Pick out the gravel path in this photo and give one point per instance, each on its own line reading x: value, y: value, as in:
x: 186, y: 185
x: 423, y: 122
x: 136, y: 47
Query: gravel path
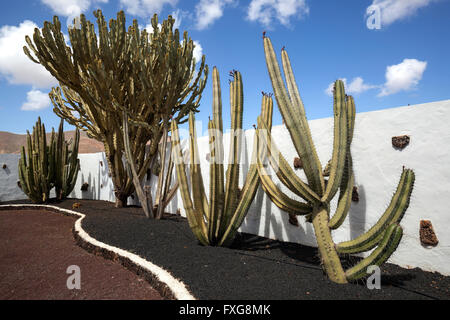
x: 37, y: 247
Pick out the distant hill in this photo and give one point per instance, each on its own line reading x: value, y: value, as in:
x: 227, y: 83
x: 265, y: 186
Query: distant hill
x: 12, y: 143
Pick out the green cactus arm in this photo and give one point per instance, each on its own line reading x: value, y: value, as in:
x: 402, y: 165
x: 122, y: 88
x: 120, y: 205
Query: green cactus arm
x: 340, y: 141
x: 217, y: 100
x: 236, y: 136
x: 393, y: 214
x: 64, y: 161
x: 351, y: 114
x: 295, y: 119
x: 267, y: 112
x: 51, y: 176
x: 344, y: 202
x: 72, y: 178
x: 381, y: 254
x: 23, y: 174
x: 35, y: 172
x: 279, y: 198
x: 74, y: 164
x: 216, y: 191
x: 348, y: 178
x: 282, y: 168
x: 215, y: 128
x: 329, y: 257
x: 199, y: 195
x: 195, y: 218
x: 29, y: 167
x: 247, y: 195
x: 251, y: 181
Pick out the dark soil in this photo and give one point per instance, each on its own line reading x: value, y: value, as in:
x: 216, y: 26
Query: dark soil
x: 254, y: 268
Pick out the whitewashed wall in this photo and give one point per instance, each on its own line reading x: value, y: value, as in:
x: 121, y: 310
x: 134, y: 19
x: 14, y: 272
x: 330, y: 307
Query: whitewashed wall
x: 377, y: 167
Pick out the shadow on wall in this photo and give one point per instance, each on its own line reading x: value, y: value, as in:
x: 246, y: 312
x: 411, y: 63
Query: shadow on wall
x: 5, y: 169
x: 274, y: 226
x: 90, y: 193
x: 103, y: 176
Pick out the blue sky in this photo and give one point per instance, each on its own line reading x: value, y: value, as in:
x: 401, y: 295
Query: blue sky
x: 399, y: 59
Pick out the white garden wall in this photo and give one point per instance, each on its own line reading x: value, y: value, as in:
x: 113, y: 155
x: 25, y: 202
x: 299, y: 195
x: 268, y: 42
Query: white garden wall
x: 377, y: 167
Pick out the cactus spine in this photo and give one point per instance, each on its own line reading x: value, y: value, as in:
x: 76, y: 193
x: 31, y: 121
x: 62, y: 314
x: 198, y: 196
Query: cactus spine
x: 384, y: 236
x: 216, y: 222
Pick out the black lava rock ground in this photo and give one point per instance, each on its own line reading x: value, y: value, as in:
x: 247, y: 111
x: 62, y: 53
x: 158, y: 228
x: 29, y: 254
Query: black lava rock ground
x: 255, y: 268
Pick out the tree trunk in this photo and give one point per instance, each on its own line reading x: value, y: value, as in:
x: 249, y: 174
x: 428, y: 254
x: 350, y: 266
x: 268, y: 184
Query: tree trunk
x: 328, y: 254
x: 121, y: 200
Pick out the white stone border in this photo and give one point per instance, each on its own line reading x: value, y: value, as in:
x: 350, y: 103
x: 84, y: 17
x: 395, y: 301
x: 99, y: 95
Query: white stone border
x: 177, y: 287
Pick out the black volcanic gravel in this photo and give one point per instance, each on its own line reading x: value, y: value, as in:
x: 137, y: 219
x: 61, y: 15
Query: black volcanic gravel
x: 255, y: 268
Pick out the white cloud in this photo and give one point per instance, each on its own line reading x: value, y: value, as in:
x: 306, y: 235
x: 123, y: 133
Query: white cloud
x: 15, y: 66
x: 355, y: 87
x: 70, y: 8
x: 394, y: 10
x: 207, y: 11
x: 177, y: 15
x: 145, y: 8
x: 264, y: 11
x: 403, y: 76
x: 36, y: 100
x: 198, y: 51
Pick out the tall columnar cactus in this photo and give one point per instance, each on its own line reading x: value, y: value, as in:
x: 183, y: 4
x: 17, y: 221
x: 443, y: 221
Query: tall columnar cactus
x: 317, y: 194
x: 66, y: 162
x: 150, y: 77
x: 217, y: 221
x: 36, y: 166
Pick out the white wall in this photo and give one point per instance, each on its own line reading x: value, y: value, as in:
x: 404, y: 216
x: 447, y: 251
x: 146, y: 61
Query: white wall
x: 377, y: 167
x: 9, y: 177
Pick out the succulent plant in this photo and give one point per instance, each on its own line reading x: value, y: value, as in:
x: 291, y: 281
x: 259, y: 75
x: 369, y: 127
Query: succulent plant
x: 36, y: 165
x: 149, y: 76
x: 66, y: 161
x: 45, y: 166
x: 317, y: 194
x: 215, y: 222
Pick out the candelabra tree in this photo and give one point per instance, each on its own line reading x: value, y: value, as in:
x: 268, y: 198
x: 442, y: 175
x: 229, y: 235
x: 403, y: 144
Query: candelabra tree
x: 317, y: 194
x: 132, y: 76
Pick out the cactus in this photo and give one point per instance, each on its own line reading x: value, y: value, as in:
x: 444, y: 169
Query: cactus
x: 47, y: 166
x: 36, y: 166
x: 317, y: 194
x: 216, y: 223
x: 66, y: 162
x: 151, y: 76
